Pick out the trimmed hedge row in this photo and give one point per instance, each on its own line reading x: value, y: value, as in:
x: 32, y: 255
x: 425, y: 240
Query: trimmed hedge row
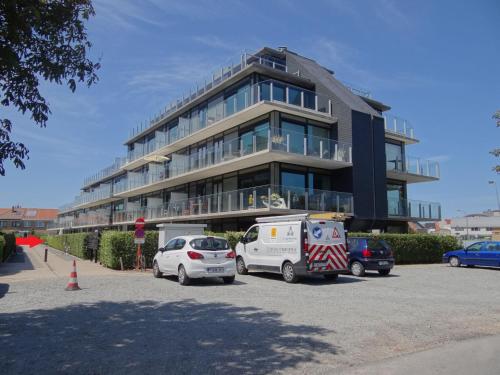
x: 75, y: 243
x: 7, y: 245
x: 115, y: 244
x: 416, y: 248
x: 231, y: 237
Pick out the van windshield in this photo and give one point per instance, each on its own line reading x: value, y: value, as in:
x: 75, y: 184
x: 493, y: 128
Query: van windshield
x: 209, y: 243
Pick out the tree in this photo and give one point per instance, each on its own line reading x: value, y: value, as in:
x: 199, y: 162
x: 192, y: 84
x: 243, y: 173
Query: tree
x: 496, y: 152
x: 39, y: 39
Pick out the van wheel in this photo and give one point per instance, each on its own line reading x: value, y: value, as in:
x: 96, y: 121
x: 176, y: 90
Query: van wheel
x: 454, y: 261
x: 183, y: 277
x: 357, y: 269
x: 240, y: 266
x: 156, y: 270
x: 289, y: 273
x: 331, y: 276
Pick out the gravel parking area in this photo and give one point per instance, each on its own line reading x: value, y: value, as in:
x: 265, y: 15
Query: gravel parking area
x: 258, y: 325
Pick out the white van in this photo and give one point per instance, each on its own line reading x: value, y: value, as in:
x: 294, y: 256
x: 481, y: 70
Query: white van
x: 294, y: 246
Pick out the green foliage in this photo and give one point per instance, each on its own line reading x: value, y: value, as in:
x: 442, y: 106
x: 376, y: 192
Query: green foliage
x: 40, y: 40
x: 416, y: 248
x: 9, y: 245
x: 116, y: 244
x: 2, y: 247
x: 75, y: 243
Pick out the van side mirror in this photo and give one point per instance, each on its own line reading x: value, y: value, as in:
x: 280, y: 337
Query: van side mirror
x: 243, y: 240
x: 161, y: 249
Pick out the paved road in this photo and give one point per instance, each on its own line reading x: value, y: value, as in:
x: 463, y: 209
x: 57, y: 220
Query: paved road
x: 131, y: 322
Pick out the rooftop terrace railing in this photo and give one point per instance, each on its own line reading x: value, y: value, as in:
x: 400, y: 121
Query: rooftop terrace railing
x: 399, y: 126
x: 266, y: 197
x: 106, y: 172
x: 357, y: 90
x: 415, y: 209
x: 218, y: 77
x: 269, y: 90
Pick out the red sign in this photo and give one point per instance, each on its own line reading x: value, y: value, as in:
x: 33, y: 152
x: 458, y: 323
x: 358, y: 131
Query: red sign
x: 139, y: 223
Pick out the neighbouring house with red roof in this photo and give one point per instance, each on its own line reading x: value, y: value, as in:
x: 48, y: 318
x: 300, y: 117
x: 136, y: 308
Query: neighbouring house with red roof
x: 18, y: 219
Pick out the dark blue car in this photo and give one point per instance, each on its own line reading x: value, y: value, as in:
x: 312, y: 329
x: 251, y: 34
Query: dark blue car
x: 485, y: 254
x: 369, y: 254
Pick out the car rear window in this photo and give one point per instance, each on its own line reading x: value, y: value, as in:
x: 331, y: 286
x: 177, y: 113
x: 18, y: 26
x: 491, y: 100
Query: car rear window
x: 209, y: 243
x: 376, y: 244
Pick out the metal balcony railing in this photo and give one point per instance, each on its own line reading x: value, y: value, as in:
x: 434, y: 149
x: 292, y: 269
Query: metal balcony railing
x: 414, y: 209
x: 266, y: 197
x: 398, y: 126
x: 417, y: 166
x: 279, y: 140
x: 106, y: 172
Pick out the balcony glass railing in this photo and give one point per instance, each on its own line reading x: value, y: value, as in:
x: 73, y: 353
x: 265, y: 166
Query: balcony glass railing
x: 270, y: 197
x: 103, y: 192
x: 101, y: 217
x: 217, y: 110
x: 399, y: 126
x: 417, y: 166
x: 414, y: 209
x: 279, y: 140
x: 106, y: 172
x: 232, y: 67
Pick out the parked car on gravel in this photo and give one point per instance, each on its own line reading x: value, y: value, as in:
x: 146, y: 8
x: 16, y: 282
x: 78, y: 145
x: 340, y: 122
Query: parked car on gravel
x: 369, y: 254
x: 486, y: 253
x: 194, y: 257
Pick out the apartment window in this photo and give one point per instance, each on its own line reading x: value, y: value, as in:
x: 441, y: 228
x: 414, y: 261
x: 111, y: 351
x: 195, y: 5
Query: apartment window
x: 318, y: 142
x: 394, y: 157
x: 294, y: 136
x: 40, y: 224
x: 294, y: 96
x: 279, y: 92
x: 27, y: 224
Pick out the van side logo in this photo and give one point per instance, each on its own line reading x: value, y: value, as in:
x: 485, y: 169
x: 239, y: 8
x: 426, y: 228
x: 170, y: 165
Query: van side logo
x: 290, y: 232
x: 317, y: 232
x: 335, y: 233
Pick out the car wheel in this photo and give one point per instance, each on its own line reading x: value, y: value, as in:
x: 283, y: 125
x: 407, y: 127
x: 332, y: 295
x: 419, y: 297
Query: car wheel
x: 384, y: 272
x: 332, y: 276
x: 156, y: 270
x: 240, y: 266
x: 183, y: 277
x: 289, y: 273
x: 357, y: 269
x: 228, y: 279
x: 454, y: 261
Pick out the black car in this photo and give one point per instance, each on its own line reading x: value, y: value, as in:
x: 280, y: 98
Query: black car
x: 369, y: 254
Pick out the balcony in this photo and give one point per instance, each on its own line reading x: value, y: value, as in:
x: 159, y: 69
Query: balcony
x: 260, y: 200
x: 218, y: 116
x: 106, y: 172
x: 399, y: 129
x: 218, y: 77
x: 259, y: 147
x: 101, y: 194
x: 100, y: 217
x: 413, y: 210
x: 413, y: 170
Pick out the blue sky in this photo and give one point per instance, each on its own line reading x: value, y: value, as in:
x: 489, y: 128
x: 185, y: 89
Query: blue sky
x: 436, y: 64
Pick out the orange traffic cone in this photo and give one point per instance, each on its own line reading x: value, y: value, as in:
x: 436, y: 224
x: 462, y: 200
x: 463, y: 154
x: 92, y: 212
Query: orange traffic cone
x: 73, y: 282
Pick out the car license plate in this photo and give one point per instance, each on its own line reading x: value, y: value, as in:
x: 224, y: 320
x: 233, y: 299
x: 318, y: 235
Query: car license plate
x: 215, y: 269
x: 383, y: 263
x: 320, y: 264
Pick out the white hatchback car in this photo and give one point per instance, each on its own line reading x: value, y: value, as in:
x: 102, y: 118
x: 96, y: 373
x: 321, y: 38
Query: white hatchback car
x: 193, y: 257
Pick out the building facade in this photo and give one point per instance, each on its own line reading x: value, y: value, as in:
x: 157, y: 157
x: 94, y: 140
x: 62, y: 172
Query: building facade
x: 21, y: 219
x: 484, y: 225
x: 274, y: 133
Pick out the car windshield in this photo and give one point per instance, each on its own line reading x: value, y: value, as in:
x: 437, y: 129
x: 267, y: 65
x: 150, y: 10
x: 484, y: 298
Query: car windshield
x: 209, y: 243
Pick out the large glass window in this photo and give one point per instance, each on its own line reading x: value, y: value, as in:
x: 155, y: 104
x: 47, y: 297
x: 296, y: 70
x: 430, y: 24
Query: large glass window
x: 394, y: 157
x: 395, y: 200
x: 294, y: 96
x: 294, y: 136
x: 279, y: 92
x: 215, y: 110
x: 293, y: 179
x: 318, y: 143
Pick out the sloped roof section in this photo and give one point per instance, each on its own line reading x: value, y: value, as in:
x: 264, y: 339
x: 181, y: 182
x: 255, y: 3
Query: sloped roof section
x: 324, y: 76
x: 22, y: 213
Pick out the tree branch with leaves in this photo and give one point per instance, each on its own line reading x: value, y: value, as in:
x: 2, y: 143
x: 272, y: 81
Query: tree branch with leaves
x: 39, y: 40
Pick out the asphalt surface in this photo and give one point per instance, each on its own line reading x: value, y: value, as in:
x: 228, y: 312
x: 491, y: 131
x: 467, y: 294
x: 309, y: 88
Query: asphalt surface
x: 127, y: 322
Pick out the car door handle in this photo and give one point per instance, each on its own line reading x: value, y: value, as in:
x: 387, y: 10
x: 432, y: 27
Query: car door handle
x: 256, y: 249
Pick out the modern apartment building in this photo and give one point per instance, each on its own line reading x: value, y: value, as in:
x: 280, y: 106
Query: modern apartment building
x: 274, y: 133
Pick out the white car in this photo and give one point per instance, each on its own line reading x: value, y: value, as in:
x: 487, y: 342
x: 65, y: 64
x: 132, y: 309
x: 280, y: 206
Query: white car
x: 194, y: 257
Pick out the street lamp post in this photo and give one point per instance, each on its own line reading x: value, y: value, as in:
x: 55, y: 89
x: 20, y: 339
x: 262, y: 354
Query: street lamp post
x: 466, y: 224
x: 496, y: 189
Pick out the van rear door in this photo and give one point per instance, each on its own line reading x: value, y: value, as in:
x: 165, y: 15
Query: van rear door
x: 326, y: 246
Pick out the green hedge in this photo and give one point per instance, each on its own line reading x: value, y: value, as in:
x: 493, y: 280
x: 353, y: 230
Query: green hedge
x: 9, y: 245
x: 74, y: 241
x: 231, y: 237
x: 416, y: 248
x: 116, y: 244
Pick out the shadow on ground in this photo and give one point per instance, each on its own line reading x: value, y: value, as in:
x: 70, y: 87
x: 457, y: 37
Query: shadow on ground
x: 137, y: 337
x: 17, y: 262
x: 310, y: 280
